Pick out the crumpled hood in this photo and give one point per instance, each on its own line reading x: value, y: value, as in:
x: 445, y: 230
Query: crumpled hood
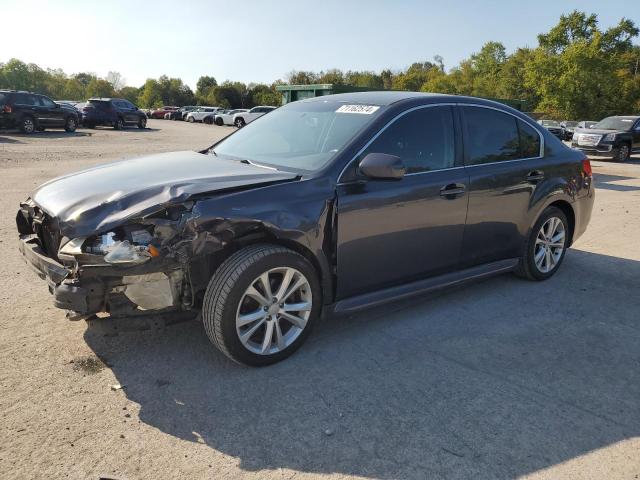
x: 102, y: 197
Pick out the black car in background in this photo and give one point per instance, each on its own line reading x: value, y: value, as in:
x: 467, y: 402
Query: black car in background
x: 585, y: 124
x: 181, y: 113
x: 612, y: 137
x: 30, y: 112
x: 553, y: 126
x: 339, y: 203
x: 568, y: 127
x: 113, y: 112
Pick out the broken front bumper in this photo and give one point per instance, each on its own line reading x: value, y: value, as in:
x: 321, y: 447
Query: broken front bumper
x: 105, y: 288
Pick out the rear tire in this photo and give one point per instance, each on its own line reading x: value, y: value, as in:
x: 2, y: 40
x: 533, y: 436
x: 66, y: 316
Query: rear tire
x: 191, y: 119
x: 208, y: 120
x: 27, y: 125
x: 219, y: 122
x: 70, y: 125
x: 248, y: 323
x: 119, y: 124
x: 546, y: 246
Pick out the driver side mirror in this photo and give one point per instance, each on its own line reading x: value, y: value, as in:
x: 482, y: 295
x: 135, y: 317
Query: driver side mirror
x: 382, y: 166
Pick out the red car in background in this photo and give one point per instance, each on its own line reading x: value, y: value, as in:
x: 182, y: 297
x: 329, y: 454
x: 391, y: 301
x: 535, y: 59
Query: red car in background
x: 159, y: 112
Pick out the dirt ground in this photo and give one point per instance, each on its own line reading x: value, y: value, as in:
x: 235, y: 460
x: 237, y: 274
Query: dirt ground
x: 500, y: 379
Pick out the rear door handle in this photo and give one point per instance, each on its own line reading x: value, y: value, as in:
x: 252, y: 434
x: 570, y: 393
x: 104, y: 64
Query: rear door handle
x: 535, y: 176
x: 452, y: 190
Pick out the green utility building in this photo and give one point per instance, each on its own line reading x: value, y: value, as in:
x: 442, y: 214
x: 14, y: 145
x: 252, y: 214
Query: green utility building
x: 291, y: 93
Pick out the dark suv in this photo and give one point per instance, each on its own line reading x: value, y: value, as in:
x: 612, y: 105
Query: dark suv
x: 114, y: 112
x: 612, y: 137
x: 340, y: 202
x: 29, y: 112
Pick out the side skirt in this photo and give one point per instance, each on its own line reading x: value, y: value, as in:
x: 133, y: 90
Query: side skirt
x: 400, y: 292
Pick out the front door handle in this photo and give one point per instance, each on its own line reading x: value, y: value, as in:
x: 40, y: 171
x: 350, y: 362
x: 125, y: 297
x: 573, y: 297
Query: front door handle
x: 453, y: 190
x: 535, y: 176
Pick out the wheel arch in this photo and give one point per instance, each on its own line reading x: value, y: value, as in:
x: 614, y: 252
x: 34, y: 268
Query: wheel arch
x: 318, y: 261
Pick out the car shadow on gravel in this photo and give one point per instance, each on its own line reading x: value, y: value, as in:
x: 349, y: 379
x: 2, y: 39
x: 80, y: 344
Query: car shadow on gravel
x: 49, y: 134
x: 494, y: 380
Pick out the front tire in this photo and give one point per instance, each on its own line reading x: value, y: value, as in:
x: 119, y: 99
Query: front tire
x: 191, y: 119
x: 239, y: 122
x: 142, y: 123
x: 624, y: 152
x: 219, y: 122
x: 208, y: 120
x: 70, y: 125
x: 261, y: 304
x: 546, y: 246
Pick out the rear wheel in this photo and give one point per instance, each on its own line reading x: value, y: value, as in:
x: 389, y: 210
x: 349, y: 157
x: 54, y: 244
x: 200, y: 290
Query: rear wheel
x: 261, y: 304
x: 208, y: 120
x: 623, y: 153
x: 27, y: 125
x: 546, y: 246
x: 191, y: 119
x: 119, y: 124
x: 219, y: 122
x: 70, y: 125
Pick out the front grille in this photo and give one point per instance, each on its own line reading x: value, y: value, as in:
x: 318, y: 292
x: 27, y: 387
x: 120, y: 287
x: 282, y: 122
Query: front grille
x: 49, y: 238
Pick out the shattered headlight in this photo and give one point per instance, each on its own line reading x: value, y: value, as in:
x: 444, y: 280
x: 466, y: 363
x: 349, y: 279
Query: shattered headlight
x: 129, y: 245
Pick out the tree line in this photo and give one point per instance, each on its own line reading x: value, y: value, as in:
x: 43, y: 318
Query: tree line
x: 576, y: 71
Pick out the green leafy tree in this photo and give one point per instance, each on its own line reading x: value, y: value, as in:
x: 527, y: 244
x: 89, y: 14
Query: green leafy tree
x: 99, y: 88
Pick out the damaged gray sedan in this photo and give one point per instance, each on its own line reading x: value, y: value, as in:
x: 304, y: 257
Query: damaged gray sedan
x: 345, y: 202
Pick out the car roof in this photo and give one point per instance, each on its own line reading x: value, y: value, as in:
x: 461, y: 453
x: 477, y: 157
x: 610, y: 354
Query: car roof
x: 381, y: 98
x: 625, y: 117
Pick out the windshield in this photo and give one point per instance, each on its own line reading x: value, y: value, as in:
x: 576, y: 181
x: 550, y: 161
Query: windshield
x: 301, y: 136
x: 550, y: 123
x: 616, y: 123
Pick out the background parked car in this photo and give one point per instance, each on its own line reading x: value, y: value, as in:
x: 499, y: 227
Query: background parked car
x: 612, y: 137
x: 181, y: 113
x: 160, y: 112
x: 224, y: 117
x: 586, y: 124
x: 553, y: 126
x: 115, y: 112
x: 241, y: 119
x: 29, y: 112
x: 568, y: 127
x: 201, y: 112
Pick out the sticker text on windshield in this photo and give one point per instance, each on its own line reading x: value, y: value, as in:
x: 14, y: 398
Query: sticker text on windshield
x: 364, y: 109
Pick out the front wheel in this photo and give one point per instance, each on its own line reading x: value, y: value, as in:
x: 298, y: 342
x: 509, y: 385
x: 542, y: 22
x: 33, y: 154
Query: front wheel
x: 546, y: 246
x: 142, y: 123
x: 261, y: 304
x: 624, y: 152
x: 219, y: 122
x: 70, y: 125
x: 208, y: 120
x: 191, y: 119
x: 239, y: 122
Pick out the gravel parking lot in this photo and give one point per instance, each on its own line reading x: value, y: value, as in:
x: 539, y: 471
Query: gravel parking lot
x: 501, y: 379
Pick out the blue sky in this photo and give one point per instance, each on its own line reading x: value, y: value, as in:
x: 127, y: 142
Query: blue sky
x: 260, y: 41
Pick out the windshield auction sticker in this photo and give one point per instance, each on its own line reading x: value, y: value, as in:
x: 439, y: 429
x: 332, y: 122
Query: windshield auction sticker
x: 363, y: 109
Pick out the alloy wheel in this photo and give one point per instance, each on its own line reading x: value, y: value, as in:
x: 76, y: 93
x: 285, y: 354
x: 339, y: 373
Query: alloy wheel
x: 274, y: 310
x: 550, y: 244
x: 28, y: 125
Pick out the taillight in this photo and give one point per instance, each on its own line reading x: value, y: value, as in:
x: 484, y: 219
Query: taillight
x: 6, y: 108
x: 586, y: 168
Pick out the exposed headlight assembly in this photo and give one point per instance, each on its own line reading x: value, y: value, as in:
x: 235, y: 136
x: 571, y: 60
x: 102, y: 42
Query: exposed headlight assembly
x: 126, y: 246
